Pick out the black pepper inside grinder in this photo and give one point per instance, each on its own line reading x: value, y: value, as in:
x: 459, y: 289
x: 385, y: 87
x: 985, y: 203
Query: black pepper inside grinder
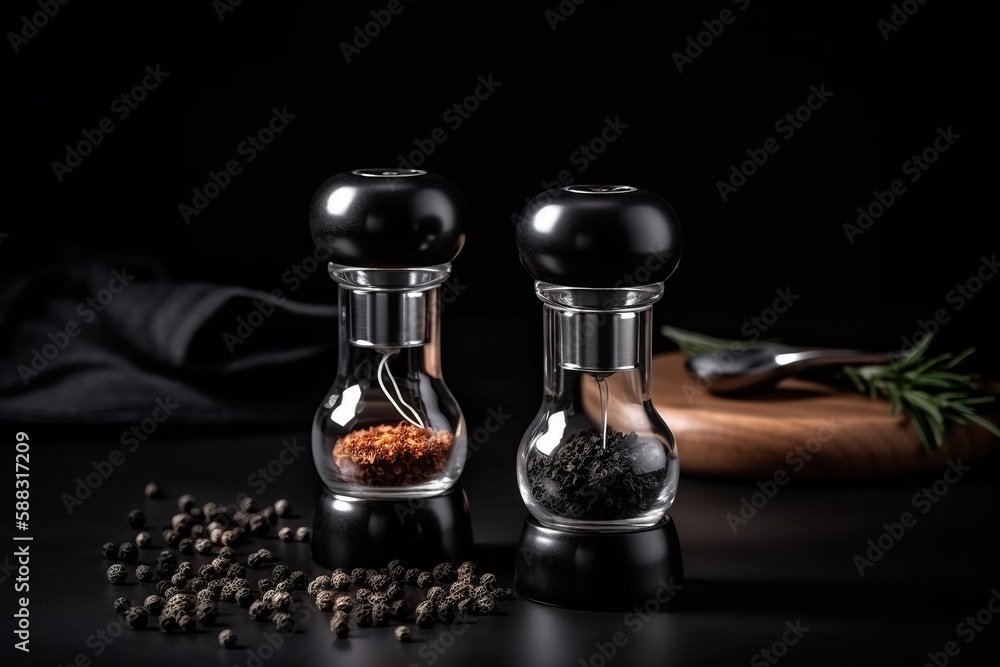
x: 597, y: 468
x: 389, y: 439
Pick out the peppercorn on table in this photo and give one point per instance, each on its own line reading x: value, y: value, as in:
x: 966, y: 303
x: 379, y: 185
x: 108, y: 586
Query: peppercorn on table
x: 887, y: 573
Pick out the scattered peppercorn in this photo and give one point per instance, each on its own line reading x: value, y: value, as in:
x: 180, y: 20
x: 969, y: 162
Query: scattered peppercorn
x: 485, y: 604
x: 341, y: 581
x: 280, y: 573
x: 185, y: 502
x: 325, y: 600
x: 286, y: 534
x: 282, y: 507
x: 231, y: 537
x: 117, y: 574
x: 137, y: 618
x: 248, y: 505
x: 203, y: 546
x: 466, y: 570
x: 303, y: 534
x: 109, y: 550
x: 152, y: 490
x: 400, y: 609
x: 281, y: 601
x: 402, y: 634
x: 283, y: 622
x: 143, y: 539
x: 171, y: 537
x: 136, y: 519
x: 259, y: 611
x: 299, y: 580
x: 363, y: 615
x: 143, y: 573
x: 425, y: 580
x: 444, y: 573
x: 244, y: 597
x: 207, y: 613
x: 320, y: 583
x: 122, y: 605
x: 127, y: 552
x: 338, y: 625
x: 264, y: 585
x: 269, y: 515
x: 344, y: 603
x: 227, y: 639
x: 153, y: 604
x: 236, y: 570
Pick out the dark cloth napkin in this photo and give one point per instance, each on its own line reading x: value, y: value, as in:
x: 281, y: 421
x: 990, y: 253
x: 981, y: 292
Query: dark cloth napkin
x: 110, y: 341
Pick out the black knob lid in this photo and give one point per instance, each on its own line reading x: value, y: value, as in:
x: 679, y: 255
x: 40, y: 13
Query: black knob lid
x: 388, y: 218
x: 599, y: 236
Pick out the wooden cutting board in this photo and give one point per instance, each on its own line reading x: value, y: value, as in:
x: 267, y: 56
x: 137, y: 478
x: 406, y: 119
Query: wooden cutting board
x: 807, y: 429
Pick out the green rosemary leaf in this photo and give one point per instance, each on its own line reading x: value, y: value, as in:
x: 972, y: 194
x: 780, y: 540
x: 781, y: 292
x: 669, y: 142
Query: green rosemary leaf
x: 693, y: 343
x: 985, y: 423
x: 928, y: 390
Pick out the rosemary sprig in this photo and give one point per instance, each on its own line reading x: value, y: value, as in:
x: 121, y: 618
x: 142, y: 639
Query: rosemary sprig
x: 930, y: 391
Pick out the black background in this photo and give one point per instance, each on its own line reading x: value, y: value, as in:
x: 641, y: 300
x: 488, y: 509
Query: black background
x: 783, y: 229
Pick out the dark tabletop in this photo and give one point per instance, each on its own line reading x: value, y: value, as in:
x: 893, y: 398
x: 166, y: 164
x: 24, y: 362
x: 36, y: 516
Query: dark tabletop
x: 791, y: 566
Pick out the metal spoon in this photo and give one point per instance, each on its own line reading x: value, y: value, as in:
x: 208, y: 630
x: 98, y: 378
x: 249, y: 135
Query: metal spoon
x: 761, y: 367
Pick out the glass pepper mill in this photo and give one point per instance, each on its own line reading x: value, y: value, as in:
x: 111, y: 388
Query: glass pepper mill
x: 389, y: 439
x: 597, y: 468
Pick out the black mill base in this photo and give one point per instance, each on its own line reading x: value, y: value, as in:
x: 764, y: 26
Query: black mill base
x: 599, y: 571
x: 352, y: 532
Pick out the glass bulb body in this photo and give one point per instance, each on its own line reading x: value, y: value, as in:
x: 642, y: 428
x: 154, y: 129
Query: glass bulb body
x: 389, y: 427
x: 597, y: 456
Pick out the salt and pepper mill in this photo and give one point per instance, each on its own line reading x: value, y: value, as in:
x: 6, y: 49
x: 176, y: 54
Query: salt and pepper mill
x: 389, y: 439
x: 597, y: 468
